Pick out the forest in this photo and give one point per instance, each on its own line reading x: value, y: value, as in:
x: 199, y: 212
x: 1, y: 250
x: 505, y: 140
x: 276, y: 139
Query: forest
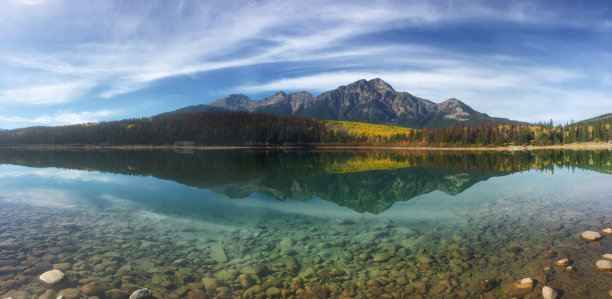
x: 253, y: 129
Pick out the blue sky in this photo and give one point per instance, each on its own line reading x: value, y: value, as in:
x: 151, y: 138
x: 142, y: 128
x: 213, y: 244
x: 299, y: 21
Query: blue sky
x: 65, y: 62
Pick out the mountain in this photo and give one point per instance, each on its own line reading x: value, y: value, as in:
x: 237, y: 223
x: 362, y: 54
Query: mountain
x: 373, y: 101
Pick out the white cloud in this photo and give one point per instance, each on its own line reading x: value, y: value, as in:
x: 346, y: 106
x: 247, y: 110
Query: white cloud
x: 44, y: 94
x: 60, y: 118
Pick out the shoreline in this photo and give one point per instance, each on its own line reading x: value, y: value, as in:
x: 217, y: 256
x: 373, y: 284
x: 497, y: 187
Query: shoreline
x: 570, y: 146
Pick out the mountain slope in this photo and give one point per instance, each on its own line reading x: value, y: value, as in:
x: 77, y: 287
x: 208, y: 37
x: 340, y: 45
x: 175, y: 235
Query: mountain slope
x: 373, y: 101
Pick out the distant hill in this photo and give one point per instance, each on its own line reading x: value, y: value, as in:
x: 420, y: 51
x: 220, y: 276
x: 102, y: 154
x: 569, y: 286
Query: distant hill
x: 603, y: 118
x: 373, y: 101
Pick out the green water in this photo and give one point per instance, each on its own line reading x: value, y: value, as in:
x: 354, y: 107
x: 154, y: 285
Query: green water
x: 303, y: 224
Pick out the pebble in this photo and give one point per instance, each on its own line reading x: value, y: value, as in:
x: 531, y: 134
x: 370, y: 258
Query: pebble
x: 245, y: 281
x: 520, y: 288
x: 217, y: 253
x: 273, y: 292
x: 607, y: 231
x: 549, y: 293
x: 591, y: 236
x: 94, y: 288
x: 604, y: 266
x: 210, y: 284
x: 607, y: 257
x: 380, y: 257
x: 48, y: 294
x: 115, y: 294
x: 52, y: 278
x: 485, y: 285
x: 562, y: 263
x: 70, y: 293
x: 142, y: 294
x: 62, y: 266
x: 196, y: 294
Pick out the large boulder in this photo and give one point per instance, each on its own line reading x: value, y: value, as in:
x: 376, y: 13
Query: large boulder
x: 52, y: 278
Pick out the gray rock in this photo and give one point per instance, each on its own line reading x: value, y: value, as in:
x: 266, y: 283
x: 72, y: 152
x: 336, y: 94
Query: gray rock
x: 52, y: 278
x: 141, y: 294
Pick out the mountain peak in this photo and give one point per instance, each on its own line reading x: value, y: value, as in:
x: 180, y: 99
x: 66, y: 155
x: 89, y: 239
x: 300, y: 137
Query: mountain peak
x: 376, y: 84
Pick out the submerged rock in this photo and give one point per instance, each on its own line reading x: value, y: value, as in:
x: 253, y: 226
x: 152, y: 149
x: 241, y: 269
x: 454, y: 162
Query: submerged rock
x: 70, y: 293
x: 520, y: 288
x: 142, y: 294
x: 607, y: 257
x: 217, y: 253
x: 196, y: 294
x: 116, y: 294
x: 62, y: 266
x: 48, y: 294
x: 485, y: 285
x: 210, y: 284
x: 245, y: 281
x: 52, y: 278
x: 604, y: 266
x: 94, y: 288
x: 549, y: 293
x: 380, y: 257
x: 562, y: 263
x: 591, y: 236
x: 607, y: 231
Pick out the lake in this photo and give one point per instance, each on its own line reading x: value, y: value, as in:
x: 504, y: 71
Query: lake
x: 303, y: 224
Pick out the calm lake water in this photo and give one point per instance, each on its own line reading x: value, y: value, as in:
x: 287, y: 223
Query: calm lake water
x: 303, y: 224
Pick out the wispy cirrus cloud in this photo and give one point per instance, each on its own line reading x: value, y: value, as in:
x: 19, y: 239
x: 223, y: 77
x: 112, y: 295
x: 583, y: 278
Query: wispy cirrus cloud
x: 136, y: 44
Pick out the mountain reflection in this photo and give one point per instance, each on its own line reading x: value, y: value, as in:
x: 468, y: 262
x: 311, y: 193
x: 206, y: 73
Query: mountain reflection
x: 365, y: 181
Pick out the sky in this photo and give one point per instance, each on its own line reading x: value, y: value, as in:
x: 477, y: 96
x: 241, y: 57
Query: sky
x: 65, y: 62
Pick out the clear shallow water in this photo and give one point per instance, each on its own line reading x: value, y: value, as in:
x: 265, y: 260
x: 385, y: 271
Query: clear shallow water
x: 325, y: 224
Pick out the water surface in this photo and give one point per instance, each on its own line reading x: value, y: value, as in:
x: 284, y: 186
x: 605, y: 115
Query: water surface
x: 314, y: 223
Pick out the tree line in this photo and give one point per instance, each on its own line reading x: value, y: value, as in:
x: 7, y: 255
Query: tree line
x: 253, y: 129
x: 206, y: 128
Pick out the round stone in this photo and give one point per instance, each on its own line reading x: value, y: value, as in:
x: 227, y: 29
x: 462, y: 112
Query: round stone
x: 549, y: 293
x: 380, y: 257
x: 115, y: 294
x: 607, y: 257
x: 520, y: 288
x: 607, y: 231
x: 52, y: 277
x: 526, y: 283
x: 142, y: 294
x: 591, y: 236
x: 604, y: 266
x: 94, y: 288
x: 562, y: 263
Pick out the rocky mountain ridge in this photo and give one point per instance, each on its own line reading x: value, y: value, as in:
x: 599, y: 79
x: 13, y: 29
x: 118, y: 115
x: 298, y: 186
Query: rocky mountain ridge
x: 373, y: 101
